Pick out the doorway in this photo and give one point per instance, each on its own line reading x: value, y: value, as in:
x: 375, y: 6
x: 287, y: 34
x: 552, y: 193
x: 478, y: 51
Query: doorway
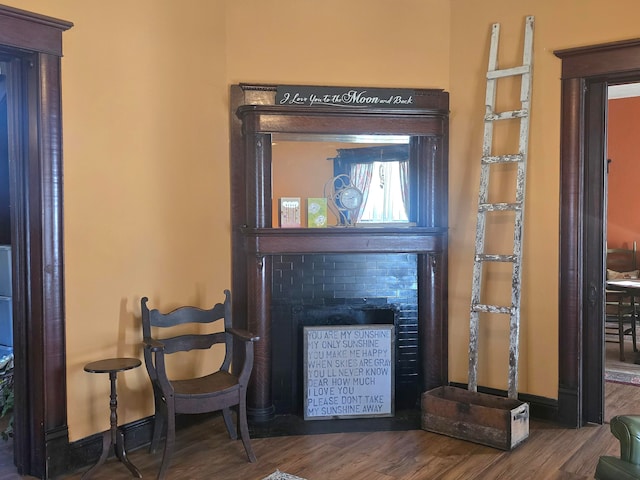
x: 622, y: 230
x: 30, y: 50
x: 586, y: 74
x: 6, y: 310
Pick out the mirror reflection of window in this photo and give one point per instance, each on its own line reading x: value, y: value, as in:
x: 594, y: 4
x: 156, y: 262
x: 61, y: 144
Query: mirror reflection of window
x: 303, y: 163
x: 381, y: 173
x: 385, y: 191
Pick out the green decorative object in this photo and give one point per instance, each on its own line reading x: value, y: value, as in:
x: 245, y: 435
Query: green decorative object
x: 316, y: 212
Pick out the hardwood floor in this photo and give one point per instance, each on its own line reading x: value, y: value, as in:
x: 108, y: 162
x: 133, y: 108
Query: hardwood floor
x: 204, y: 452
x: 612, y: 358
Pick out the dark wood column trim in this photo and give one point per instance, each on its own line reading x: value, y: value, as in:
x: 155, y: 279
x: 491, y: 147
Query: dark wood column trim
x: 52, y: 260
x: 582, y: 131
x: 431, y: 309
x: 33, y: 45
x: 570, y: 298
x: 260, y: 405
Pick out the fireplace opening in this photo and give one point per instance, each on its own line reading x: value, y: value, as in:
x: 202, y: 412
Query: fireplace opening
x: 288, y: 373
x: 341, y: 289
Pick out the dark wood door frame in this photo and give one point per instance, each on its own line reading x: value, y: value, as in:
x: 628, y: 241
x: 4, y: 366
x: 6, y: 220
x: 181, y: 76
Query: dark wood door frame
x: 586, y: 73
x: 31, y: 47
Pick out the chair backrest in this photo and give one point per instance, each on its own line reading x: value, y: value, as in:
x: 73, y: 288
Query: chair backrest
x: 622, y: 259
x: 185, y: 315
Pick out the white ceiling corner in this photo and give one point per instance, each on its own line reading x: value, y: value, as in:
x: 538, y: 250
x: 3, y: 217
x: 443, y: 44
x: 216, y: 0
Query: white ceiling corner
x: 623, y: 91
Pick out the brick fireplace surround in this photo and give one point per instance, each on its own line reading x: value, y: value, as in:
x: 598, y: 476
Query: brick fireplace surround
x: 341, y: 289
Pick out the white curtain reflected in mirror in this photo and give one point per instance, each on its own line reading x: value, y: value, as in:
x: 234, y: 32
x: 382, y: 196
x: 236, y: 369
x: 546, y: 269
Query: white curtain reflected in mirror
x: 382, y: 174
x: 385, y: 191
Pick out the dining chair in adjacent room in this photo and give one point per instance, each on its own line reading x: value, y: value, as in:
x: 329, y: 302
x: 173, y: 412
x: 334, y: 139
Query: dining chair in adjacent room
x: 620, y: 307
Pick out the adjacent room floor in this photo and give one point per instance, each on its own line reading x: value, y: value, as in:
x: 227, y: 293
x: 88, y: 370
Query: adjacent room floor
x: 616, y: 370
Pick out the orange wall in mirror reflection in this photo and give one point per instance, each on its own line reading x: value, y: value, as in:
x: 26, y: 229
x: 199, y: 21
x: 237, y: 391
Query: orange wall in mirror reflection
x: 300, y: 169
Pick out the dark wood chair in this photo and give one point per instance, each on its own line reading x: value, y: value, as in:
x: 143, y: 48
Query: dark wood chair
x: 220, y: 390
x: 620, y: 307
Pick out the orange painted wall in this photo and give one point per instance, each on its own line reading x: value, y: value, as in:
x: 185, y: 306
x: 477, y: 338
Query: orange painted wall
x: 146, y: 154
x: 558, y: 25
x: 146, y: 182
x: 623, y: 146
x: 146, y: 147
x: 301, y: 169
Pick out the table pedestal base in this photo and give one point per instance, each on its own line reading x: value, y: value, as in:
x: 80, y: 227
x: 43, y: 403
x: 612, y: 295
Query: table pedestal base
x: 114, y: 437
x: 119, y: 452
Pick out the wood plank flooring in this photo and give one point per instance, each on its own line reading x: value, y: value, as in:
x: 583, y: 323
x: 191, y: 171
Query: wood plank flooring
x: 612, y: 358
x: 204, y: 452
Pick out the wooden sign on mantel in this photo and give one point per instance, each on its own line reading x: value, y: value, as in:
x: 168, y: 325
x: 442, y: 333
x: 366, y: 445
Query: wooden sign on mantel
x: 348, y: 371
x: 310, y: 96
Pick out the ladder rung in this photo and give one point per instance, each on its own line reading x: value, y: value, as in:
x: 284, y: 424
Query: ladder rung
x: 487, y: 257
x: 499, y: 207
x: 491, y: 309
x: 517, y: 157
x: 508, y: 72
x: 492, y: 117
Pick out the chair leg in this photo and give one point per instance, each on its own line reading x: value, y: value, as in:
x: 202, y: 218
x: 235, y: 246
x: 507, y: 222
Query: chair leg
x: 158, y: 426
x: 621, y: 333
x: 228, y: 421
x: 633, y: 325
x: 244, y: 429
x: 159, y: 423
x: 169, y: 443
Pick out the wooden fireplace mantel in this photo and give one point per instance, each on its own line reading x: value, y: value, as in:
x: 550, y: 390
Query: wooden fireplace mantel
x: 279, y: 241
x: 254, y: 119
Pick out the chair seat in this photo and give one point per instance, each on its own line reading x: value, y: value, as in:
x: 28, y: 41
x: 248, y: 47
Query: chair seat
x: 218, y: 383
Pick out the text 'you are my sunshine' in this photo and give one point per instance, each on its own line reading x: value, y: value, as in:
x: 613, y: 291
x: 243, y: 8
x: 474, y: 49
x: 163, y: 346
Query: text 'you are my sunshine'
x: 348, y: 372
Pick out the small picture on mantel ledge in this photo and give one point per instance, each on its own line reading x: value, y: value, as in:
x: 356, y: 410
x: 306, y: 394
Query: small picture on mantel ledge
x: 316, y: 212
x: 290, y: 212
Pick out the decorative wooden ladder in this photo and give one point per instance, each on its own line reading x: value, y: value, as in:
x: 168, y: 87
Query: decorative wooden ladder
x: 485, y: 208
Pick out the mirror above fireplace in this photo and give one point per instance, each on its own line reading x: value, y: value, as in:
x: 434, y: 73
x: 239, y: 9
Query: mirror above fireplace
x: 415, y: 131
x: 378, y: 165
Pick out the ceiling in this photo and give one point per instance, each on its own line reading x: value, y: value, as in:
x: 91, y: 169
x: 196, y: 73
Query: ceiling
x: 624, y: 91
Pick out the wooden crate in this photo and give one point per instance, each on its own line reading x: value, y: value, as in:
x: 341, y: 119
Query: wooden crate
x: 477, y: 417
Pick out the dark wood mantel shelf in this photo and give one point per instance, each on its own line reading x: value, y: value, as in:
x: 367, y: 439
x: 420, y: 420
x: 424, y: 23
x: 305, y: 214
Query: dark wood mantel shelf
x: 275, y: 241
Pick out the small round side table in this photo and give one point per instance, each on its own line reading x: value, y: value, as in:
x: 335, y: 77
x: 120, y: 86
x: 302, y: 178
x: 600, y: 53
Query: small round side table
x: 114, y: 437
